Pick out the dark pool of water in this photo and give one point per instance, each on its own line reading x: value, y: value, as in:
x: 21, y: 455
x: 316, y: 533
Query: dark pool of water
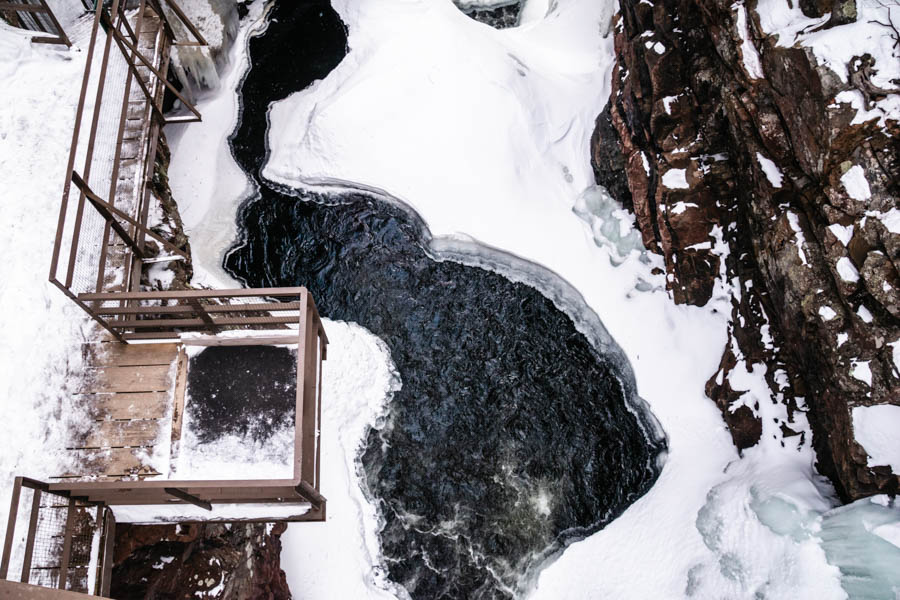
x: 511, y: 435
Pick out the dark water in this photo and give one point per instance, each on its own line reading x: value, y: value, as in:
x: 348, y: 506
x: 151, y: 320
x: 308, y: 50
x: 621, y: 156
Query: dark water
x: 511, y: 435
x: 500, y: 17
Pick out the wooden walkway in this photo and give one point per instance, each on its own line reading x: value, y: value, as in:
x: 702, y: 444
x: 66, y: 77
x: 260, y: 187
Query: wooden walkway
x: 130, y: 391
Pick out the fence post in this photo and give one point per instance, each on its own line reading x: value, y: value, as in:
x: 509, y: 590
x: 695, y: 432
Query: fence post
x: 10, y: 527
x: 201, y: 312
x: 67, y: 545
x: 32, y: 531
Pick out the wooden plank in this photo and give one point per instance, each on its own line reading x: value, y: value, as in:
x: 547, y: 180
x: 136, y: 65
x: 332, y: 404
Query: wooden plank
x: 13, y: 590
x: 134, y: 405
x: 153, y: 378
x: 178, y: 409
x: 111, y: 462
x: 125, y: 355
x: 120, y: 434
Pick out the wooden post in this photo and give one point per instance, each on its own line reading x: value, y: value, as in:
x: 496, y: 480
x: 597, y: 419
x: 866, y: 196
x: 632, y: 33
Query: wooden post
x: 109, y: 539
x: 32, y: 530
x: 10, y: 527
x: 201, y: 312
x: 67, y: 545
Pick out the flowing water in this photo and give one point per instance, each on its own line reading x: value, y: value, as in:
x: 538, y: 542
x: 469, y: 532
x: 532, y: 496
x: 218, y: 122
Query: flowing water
x: 512, y: 435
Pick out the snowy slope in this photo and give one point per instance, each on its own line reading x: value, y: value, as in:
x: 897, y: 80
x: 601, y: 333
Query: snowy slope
x: 42, y: 329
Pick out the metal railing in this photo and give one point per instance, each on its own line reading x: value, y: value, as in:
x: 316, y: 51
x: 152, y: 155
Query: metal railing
x: 302, y: 490
x: 36, y: 16
x: 68, y: 543
x: 103, y: 228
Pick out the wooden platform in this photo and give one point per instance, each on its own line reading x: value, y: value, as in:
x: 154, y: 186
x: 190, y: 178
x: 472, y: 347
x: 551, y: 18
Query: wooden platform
x: 130, y: 391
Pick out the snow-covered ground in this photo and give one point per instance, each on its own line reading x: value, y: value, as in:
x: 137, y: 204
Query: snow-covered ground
x: 485, y: 133
x: 42, y: 329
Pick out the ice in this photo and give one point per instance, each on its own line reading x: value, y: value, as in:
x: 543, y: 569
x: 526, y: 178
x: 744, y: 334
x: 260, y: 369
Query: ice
x: 612, y: 226
x: 486, y: 134
x: 198, y: 68
x: 854, y: 181
x: 868, y: 562
x: 877, y: 429
x: 208, y: 204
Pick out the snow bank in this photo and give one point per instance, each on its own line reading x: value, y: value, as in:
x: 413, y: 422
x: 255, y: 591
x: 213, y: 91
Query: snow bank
x: 176, y: 512
x: 42, y: 329
x: 339, y: 558
x: 877, y: 429
x: 204, y: 177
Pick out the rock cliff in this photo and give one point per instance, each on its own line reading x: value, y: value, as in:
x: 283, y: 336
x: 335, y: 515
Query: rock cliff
x: 742, y: 166
x: 238, y: 560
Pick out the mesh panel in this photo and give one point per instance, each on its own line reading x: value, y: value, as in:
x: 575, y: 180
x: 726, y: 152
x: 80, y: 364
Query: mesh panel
x: 49, y: 540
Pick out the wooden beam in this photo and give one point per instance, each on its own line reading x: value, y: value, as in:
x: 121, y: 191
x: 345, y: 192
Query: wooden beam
x: 107, y: 210
x: 109, y: 533
x: 10, y: 527
x: 67, y: 545
x: 182, y: 495
x: 33, y: 8
x: 29, y: 542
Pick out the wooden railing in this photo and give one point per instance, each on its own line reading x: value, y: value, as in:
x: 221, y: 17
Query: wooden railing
x: 36, y: 16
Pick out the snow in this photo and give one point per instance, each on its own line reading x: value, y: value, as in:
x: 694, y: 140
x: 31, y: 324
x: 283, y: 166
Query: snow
x: 179, y: 512
x: 749, y: 54
x: 860, y: 370
x: 876, y: 429
x: 854, y: 181
x: 835, y: 47
x: 773, y: 173
x: 675, y: 179
x: 667, y: 102
x: 430, y: 108
x: 864, y: 313
x: 844, y: 233
x: 338, y: 558
x: 794, y: 222
x: 890, y: 219
x: 847, y: 270
x: 827, y: 313
x: 681, y: 206
x: 42, y: 329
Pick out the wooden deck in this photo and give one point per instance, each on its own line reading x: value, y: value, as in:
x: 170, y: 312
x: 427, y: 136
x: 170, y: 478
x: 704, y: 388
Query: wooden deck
x: 134, y: 393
